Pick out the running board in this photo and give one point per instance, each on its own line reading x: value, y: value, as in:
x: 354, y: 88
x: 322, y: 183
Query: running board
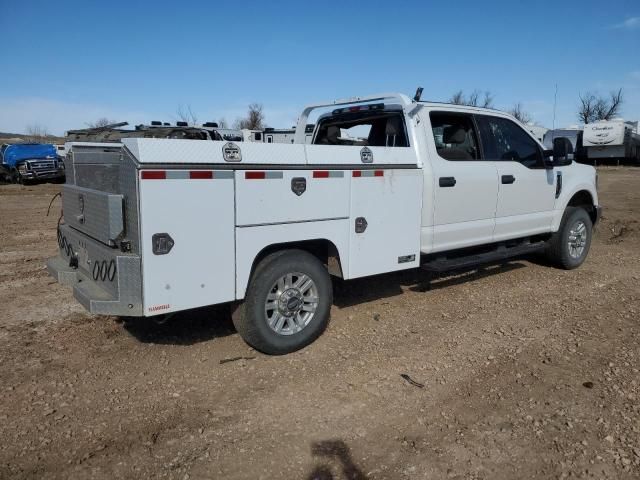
x: 502, y: 252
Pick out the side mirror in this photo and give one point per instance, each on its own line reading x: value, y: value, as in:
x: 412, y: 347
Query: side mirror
x: 562, y: 151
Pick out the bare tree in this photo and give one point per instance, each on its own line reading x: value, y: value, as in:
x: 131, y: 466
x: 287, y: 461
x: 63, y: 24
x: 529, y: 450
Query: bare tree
x: 487, y: 100
x: 185, y: 114
x: 254, y: 119
x: 520, y: 114
x: 101, y: 122
x: 222, y: 123
x: 473, y: 100
x: 458, y: 98
x: 594, y: 107
x: 37, y: 133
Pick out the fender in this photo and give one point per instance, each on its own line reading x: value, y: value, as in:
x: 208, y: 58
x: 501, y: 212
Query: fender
x: 575, y: 178
x: 251, y: 241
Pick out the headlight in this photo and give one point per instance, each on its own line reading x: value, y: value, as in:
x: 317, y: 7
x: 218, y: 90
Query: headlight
x: 22, y: 168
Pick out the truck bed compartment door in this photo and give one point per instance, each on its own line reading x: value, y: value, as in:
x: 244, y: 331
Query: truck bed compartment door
x: 266, y: 197
x: 385, y: 220
x: 187, y: 239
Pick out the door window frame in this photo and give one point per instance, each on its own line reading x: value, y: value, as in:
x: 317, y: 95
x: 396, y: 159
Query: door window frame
x: 475, y: 126
x: 540, y: 160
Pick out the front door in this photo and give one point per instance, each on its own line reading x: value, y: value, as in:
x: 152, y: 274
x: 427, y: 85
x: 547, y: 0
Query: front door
x: 526, y: 190
x: 465, y: 186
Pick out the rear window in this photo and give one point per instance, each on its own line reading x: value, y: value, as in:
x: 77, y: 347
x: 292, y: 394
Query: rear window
x: 378, y: 130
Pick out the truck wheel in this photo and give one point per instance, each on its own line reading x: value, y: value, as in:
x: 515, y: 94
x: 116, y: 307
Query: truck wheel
x: 287, y: 304
x: 569, y: 246
x: 16, y: 177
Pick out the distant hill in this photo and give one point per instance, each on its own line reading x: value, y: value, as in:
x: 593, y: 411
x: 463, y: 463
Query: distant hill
x: 6, y: 137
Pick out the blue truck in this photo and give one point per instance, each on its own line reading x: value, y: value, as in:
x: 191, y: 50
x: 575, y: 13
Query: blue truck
x: 30, y: 162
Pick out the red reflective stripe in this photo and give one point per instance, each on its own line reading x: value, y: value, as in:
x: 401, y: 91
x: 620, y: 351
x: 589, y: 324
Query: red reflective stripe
x: 200, y: 174
x: 321, y: 174
x: 254, y: 175
x: 378, y: 173
x: 153, y: 175
x: 357, y: 173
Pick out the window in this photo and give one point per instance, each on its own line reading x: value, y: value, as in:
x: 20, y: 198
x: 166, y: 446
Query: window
x: 504, y: 140
x: 375, y: 130
x: 257, y: 136
x: 455, y: 136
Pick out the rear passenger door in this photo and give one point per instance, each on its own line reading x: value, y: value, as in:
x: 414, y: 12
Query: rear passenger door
x: 526, y: 191
x: 465, y: 186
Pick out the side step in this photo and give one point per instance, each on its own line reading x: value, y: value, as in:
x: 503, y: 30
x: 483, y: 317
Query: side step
x: 501, y: 252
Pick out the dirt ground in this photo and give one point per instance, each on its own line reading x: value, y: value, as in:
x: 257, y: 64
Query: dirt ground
x: 526, y: 371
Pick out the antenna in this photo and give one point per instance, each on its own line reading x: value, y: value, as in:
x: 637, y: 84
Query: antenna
x: 416, y: 97
x: 555, y: 103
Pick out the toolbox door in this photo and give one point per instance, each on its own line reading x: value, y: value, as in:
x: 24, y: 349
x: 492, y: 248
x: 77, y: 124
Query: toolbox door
x: 187, y: 239
x: 386, y: 208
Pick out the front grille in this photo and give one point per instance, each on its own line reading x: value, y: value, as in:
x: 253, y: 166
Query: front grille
x: 43, y: 165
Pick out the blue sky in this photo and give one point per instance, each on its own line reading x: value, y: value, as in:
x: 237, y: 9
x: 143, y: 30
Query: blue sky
x: 65, y: 63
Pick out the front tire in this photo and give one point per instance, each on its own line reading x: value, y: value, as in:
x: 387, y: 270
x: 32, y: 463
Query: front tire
x: 16, y: 177
x: 569, y: 246
x: 287, y: 304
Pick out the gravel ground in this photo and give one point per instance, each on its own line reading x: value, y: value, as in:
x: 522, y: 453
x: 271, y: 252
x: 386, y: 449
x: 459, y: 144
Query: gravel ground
x: 512, y: 371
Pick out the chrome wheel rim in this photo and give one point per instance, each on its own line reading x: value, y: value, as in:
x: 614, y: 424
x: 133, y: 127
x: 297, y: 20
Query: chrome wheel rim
x: 291, y: 303
x: 577, y: 239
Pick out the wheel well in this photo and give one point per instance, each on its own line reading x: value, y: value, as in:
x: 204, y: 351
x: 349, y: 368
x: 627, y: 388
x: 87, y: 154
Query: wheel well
x: 321, y: 248
x: 583, y: 199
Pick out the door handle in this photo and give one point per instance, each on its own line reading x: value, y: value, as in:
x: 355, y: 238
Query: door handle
x: 447, y: 181
x: 507, y: 179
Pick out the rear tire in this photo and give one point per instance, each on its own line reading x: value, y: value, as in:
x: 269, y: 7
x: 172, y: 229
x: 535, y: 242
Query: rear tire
x: 287, y: 304
x: 569, y: 246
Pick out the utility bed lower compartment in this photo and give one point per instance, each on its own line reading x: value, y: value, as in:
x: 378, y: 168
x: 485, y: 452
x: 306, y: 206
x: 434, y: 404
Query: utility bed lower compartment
x: 104, y: 280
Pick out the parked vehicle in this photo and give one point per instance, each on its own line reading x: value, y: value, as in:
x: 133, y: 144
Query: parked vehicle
x: 615, y: 139
x: 115, y: 132
x: 27, y: 162
x: 156, y: 226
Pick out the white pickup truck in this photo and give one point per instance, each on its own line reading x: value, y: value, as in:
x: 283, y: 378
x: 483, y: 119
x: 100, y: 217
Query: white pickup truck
x: 154, y: 226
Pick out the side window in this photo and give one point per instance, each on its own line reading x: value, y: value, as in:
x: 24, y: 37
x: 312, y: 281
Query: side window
x: 504, y: 140
x: 455, y: 136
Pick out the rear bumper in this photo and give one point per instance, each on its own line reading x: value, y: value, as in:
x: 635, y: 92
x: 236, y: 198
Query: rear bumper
x: 108, y: 282
x: 95, y: 299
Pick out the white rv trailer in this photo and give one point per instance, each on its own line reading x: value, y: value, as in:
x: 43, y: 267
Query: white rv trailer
x: 279, y: 135
x: 614, y: 139
x: 154, y: 226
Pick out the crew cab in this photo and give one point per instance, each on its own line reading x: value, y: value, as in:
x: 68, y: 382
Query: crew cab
x: 155, y: 226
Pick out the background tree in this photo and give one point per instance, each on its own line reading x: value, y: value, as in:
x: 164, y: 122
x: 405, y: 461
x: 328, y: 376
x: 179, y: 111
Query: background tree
x: 101, y: 122
x: 254, y: 119
x: 520, y: 114
x: 474, y: 99
x: 185, y: 114
x: 222, y: 123
x: 37, y: 133
x: 594, y: 107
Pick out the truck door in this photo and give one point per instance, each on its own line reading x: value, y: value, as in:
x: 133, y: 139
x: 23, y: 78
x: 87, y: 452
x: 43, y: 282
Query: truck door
x: 465, y: 186
x: 526, y: 190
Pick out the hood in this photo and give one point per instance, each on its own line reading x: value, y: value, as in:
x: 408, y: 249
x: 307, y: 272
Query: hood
x: 14, y: 154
